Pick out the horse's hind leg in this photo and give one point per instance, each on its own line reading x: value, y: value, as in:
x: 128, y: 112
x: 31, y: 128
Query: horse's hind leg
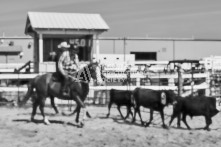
x: 53, y: 105
x: 42, y: 105
x: 34, y: 109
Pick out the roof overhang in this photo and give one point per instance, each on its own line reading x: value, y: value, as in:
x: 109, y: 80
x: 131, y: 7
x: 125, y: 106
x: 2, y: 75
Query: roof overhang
x: 64, y: 23
x: 68, y: 31
x: 10, y: 49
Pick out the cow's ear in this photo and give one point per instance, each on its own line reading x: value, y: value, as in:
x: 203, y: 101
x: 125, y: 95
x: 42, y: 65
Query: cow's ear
x: 163, y: 98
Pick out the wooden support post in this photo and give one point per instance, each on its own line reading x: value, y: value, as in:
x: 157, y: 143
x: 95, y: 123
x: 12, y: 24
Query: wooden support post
x: 97, y: 48
x: 40, y: 48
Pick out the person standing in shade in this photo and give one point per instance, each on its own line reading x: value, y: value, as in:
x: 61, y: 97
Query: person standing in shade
x: 127, y: 72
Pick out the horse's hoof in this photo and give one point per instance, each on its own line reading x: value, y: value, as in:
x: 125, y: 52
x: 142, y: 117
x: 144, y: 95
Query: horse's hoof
x: 165, y: 126
x: 32, y: 120
x: 57, y: 113
x: 170, y: 123
x: 146, y: 125
x: 133, y: 120
x: 88, y: 115
x: 46, y: 121
x: 206, y: 128
x: 80, y: 125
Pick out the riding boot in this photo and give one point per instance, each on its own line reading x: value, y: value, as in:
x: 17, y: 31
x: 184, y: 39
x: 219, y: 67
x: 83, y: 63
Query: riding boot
x: 64, y: 87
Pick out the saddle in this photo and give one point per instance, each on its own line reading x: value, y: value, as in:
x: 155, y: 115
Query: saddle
x: 56, y: 77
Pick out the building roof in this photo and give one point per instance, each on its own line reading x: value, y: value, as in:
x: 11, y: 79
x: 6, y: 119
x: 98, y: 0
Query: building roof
x: 10, y: 49
x: 72, y: 21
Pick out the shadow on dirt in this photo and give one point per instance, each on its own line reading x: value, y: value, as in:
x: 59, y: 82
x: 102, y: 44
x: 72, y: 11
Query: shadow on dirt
x: 38, y: 121
x: 119, y: 120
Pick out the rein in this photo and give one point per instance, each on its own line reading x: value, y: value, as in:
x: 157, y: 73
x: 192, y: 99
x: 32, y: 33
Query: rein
x: 81, y: 75
x: 77, y: 80
x: 84, y: 75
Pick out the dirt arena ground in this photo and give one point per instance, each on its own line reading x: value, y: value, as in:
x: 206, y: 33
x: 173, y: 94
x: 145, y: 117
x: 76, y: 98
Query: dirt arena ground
x: 16, y: 130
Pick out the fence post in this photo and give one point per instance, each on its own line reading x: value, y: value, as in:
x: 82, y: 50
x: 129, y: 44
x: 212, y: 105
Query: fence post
x: 180, y: 80
x: 138, y: 82
x: 192, y: 80
x: 208, y: 81
x: 171, y: 82
x: 18, y: 86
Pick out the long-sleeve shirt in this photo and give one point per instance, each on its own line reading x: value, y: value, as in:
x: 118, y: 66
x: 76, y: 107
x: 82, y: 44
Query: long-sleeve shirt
x: 67, y: 64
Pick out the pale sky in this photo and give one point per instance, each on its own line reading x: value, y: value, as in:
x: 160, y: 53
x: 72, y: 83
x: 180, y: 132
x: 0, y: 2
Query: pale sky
x: 126, y: 18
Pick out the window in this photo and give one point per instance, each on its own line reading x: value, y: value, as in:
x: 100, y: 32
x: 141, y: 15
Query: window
x: 85, y: 46
x: 145, y: 55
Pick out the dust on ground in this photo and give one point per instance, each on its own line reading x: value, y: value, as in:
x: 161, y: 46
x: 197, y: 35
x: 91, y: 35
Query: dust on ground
x: 16, y: 129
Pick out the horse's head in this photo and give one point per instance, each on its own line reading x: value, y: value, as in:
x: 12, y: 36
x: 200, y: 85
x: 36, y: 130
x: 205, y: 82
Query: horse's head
x: 95, y: 72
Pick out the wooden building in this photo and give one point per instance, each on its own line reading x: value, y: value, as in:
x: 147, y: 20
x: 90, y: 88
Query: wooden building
x: 50, y: 29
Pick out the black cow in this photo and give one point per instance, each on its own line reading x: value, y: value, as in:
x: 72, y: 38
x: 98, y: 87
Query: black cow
x: 194, y: 106
x: 121, y: 98
x: 154, y: 100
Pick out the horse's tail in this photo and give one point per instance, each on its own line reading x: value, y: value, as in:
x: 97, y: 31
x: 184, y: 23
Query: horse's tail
x: 29, y: 93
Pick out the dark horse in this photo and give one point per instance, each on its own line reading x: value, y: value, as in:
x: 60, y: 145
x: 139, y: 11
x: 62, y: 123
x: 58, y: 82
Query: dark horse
x: 47, y: 86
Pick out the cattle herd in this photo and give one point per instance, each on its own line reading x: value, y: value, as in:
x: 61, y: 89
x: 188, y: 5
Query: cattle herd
x: 157, y: 100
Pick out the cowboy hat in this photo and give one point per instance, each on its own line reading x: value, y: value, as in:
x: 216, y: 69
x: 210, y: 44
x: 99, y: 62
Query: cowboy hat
x: 64, y: 45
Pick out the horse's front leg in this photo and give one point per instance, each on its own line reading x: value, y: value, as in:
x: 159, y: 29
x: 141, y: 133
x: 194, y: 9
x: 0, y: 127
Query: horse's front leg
x: 80, y: 105
x: 87, y: 113
x: 78, y: 109
x: 81, y: 115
